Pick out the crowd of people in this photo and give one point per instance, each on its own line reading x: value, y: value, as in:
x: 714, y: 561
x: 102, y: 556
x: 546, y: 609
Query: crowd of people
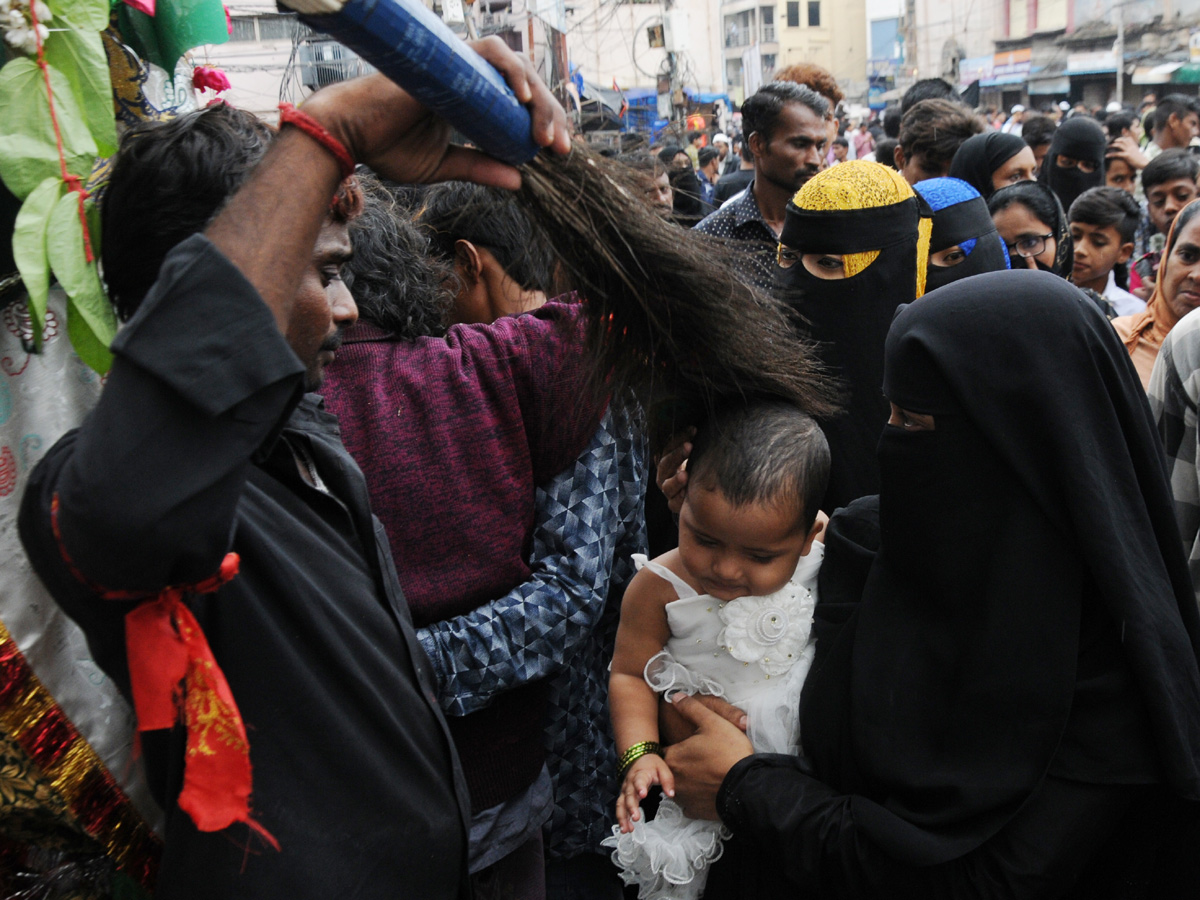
x: 412, y: 596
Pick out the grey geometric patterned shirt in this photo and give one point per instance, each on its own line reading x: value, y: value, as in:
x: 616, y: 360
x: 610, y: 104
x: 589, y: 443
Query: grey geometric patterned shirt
x: 561, y: 624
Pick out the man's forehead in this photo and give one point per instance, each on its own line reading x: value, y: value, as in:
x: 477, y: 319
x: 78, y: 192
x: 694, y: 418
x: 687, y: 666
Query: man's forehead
x: 798, y: 119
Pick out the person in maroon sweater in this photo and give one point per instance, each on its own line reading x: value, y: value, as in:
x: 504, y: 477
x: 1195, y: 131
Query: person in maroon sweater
x: 454, y: 434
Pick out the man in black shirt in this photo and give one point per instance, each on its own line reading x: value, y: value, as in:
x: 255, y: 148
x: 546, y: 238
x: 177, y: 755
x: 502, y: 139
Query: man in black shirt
x: 203, y: 460
x: 786, y: 133
x: 733, y: 183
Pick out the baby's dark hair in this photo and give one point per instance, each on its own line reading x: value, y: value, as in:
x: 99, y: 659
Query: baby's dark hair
x: 763, y: 452
x: 1105, y: 206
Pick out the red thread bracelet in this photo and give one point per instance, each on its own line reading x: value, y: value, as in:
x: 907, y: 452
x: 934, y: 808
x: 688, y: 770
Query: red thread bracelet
x: 289, y: 115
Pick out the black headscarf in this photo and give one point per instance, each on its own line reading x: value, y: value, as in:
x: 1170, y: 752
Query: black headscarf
x: 1043, y: 203
x: 960, y: 218
x: 1079, y: 138
x: 1029, y: 609
x: 853, y: 208
x: 980, y: 156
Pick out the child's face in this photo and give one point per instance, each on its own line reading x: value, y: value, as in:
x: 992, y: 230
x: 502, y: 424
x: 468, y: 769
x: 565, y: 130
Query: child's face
x: 1164, y: 201
x: 1097, y: 250
x: 1119, y: 175
x: 739, y: 551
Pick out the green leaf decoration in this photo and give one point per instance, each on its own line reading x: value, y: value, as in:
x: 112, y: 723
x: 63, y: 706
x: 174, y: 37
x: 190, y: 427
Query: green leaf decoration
x: 80, y: 55
x: 28, y: 154
x: 92, y: 349
x: 29, y: 249
x: 91, y: 322
x: 86, y: 15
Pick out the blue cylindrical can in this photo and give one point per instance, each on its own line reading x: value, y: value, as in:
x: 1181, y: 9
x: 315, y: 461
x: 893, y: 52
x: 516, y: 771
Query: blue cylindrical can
x: 405, y: 41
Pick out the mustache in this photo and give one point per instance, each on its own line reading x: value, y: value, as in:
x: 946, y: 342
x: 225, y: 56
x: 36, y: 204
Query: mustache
x: 332, y: 343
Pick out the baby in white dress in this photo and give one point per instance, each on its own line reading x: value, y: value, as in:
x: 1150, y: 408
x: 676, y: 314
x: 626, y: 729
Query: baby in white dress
x: 729, y: 613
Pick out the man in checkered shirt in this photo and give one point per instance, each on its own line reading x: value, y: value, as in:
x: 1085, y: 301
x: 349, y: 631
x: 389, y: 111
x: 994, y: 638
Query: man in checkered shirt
x: 1174, y: 395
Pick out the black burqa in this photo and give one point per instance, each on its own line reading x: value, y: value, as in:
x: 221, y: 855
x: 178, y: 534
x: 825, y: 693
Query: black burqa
x: 1038, y: 511
x: 960, y: 219
x: 1025, y: 629
x: 849, y: 318
x: 1080, y: 138
x: 981, y: 155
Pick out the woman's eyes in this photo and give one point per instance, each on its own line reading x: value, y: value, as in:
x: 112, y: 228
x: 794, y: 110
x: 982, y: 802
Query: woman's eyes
x: 786, y: 257
x: 832, y: 263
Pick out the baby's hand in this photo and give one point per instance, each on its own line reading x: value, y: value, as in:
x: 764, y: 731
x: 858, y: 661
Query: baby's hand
x: 646, y: 770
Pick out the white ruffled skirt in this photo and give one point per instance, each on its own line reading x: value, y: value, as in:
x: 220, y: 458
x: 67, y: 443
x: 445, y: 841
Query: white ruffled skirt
x: 669, y: 856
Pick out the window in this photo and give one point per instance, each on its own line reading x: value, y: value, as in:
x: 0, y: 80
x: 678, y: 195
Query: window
x: 739, y: 29
x: 264, y: 28
x: 243, y: 29
x: 814, y: 13
x: 276, y: 28
x: 766, y: 16
x: 793, y: 14
x: 733, y: 72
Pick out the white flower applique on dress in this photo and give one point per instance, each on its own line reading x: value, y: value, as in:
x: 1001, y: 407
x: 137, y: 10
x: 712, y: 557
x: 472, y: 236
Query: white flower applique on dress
x: 755, y: 653
x: 769, y: 631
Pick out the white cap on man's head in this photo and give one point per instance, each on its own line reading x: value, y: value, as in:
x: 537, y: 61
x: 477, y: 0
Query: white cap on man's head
x: 1064, y: 105
x: 721, y: 139
x: 1016, y: 109
x: 1112, y: 107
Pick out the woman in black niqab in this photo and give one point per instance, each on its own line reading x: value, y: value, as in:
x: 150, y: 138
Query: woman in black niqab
x: 980, y: 156
x: 1021, y: 670
x: 1078, y: 140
